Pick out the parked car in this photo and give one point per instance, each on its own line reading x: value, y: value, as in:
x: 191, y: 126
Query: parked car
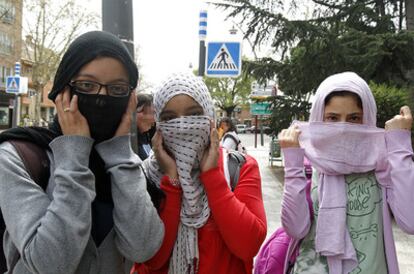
x: 251, y: 129
x: 266, y: 129
x: 241, y: 128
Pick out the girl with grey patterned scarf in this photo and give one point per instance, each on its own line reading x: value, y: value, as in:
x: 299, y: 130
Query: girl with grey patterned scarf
x: 209, y: 228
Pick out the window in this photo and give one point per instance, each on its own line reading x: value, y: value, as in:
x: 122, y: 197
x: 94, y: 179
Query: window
x: 7, y: 11
x: 4, y: 116
x: 4, y: 72
x: 6, y: 43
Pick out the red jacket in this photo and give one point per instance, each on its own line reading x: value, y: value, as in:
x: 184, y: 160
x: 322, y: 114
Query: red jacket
x: 234, y: 232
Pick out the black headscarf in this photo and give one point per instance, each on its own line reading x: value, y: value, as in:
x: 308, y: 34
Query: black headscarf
x: 85, y: 49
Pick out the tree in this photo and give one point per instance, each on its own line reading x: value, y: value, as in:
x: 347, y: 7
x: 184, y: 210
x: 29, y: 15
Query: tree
x: 365, y: 36
x: 6, y: 10
x: 50, y: 27
x: 228, y: 93
x: 286, y: 109
x: 389, y: 101
x: 357, y: 35
x: 409, y: 7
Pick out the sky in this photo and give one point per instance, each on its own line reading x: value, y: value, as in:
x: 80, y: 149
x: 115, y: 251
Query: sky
x: 166, y: 34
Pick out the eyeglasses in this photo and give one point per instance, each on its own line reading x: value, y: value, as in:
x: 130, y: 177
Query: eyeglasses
x: 91, y: 87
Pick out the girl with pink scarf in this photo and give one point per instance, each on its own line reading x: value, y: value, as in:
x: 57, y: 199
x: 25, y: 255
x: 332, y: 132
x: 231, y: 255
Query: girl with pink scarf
x: 363, y: 176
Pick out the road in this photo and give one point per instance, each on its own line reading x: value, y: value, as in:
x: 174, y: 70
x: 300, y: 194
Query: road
x: 272, y: 188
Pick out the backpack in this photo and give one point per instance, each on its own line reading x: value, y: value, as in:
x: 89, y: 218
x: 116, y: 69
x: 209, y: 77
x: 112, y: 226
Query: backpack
x: 240, y: 147
x: 234, y: 164
x: 36, y: 163
x: 272, y: 256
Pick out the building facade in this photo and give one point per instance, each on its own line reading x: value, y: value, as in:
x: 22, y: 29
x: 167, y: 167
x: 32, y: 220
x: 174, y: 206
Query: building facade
x: 10, y: 53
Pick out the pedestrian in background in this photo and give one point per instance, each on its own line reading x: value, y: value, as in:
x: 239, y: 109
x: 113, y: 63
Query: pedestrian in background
x: 230, y: 139
x: 145, y: 124
x: 95, y: 215
x: 363, y: 179
x: 210, y: 227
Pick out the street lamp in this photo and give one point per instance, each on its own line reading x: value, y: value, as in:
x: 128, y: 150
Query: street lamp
x: 233, y: 30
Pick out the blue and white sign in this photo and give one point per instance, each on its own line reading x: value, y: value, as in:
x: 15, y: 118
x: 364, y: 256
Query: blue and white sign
x: 13, y: 84
x: 223, y: 59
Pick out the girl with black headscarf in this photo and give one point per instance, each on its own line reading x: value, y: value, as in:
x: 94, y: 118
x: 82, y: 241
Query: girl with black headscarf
x: 96, y: 215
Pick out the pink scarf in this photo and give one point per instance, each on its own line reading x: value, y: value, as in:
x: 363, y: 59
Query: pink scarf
x: 335, y: 150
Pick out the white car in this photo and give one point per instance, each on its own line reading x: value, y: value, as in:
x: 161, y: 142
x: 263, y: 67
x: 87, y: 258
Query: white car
x: 241, y: 128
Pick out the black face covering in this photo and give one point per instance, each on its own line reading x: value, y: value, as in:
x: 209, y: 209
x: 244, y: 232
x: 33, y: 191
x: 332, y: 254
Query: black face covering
x: 103, y: 113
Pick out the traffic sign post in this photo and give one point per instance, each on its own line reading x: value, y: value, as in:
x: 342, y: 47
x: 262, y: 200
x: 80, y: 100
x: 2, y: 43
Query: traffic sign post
x: 202, y: 34
x: 13, y: 84
x: 16, y: 85
x: 256, y: 109
x: 223, y: 59
x: 260, y: 108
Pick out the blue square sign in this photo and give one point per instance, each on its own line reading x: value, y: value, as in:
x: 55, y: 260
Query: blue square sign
x: 223, y: 59
x: 13, y: 84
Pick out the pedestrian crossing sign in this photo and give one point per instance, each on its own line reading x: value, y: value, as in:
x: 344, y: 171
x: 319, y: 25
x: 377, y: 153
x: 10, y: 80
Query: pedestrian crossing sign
x: 223, y: 59
x: 13, y: 84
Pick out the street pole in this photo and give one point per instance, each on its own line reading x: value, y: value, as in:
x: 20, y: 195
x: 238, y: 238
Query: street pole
x: 261, y: 132
x: 255, y: 131
x: 202, y: 33
x: 117, y: 19
x: 16, y: 103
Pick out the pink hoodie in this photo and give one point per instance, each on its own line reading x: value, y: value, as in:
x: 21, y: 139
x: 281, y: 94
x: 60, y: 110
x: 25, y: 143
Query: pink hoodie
x: 397, y: 181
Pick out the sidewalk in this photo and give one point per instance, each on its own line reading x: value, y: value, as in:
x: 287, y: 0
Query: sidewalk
x: 272, y: 188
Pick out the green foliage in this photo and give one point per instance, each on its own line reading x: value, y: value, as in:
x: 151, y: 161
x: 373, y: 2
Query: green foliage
x: 228, y: 93
x: 363, y: 36
x: 286, y: 109
x: 342, y: 35
x: 389, y: 101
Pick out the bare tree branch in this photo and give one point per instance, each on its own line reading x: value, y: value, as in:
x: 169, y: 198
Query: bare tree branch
x: 56, y: 24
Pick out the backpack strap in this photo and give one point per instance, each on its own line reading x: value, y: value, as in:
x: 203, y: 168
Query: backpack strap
x: 231, y: 136
x: 35, y: 160
x: 235, y: 162
x: 37, y: 164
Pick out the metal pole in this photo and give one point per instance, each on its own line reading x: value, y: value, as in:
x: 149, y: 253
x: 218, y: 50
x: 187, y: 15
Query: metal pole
x: 16, y: 105
x: 255, y: 131
x: 261, y: 133
x: 202, y: 33
x: 117, y: 19
x: 15, y: 118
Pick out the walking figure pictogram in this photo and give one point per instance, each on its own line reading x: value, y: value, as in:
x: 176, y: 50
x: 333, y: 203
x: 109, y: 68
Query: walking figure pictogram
x: 223, y: 55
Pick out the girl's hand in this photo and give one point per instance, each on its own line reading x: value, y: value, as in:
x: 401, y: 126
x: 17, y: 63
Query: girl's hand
x: 125, y: 126
x: 289, y: 137
x: 166, y: 162
x: 211, y: 154
x: 402, y: 121
x: 71, y: 121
